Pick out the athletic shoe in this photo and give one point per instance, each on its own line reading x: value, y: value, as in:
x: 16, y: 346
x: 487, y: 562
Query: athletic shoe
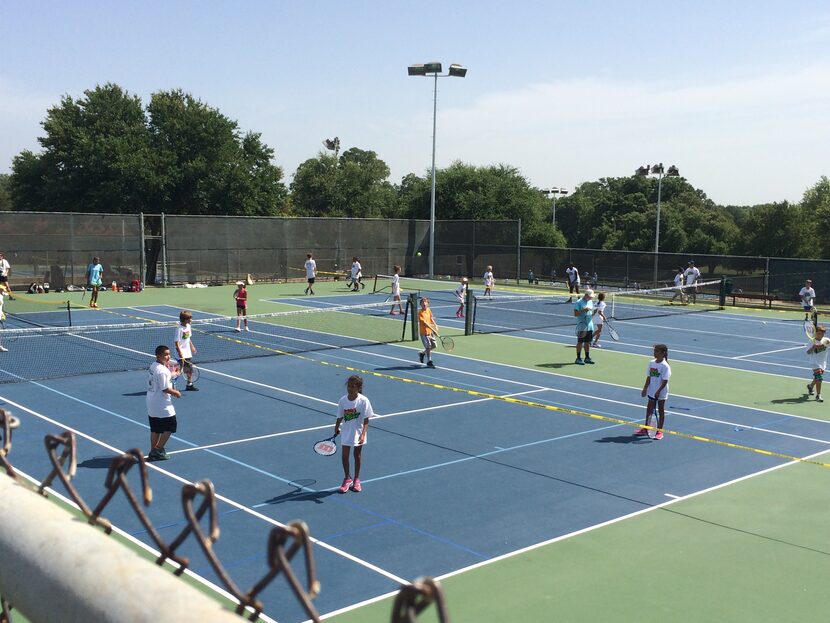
x: 819, y: 398
x: 595, y: 346
x: 461, y: 315
x: 810, y: 388
x: 347, y: 482
x: 659, y: 435
x: 238, y: 329
x: 247, y: 329
x: 641, y: 432
x: 191, y: 388
x: 162, y: 455
x: 153, y: 456
x: 3, y: 349
x: 589, y: 360
x: 430, y: 364
x: 356, y: 486
x: 421, y: 357
x: 579, y: 361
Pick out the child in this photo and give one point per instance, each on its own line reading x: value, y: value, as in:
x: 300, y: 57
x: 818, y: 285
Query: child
x: 656, y: 388
x: 489, y: 281
x: 3, y: 349
x: 240, y: 295
x: 817, y: 354
x: 426, y: 327
x: 678, y: 287
x: 807, y: 296
x: 185, y: 348
x: 396, y: 290
x: 599, y: 318
x: 357, y: 275
x: 460, y: 296
x: 160, y: 410
x: 310, y: 273
x: 353, y: 412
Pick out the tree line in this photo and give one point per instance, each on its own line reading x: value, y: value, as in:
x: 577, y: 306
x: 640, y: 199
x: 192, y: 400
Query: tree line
x: 108, y: 152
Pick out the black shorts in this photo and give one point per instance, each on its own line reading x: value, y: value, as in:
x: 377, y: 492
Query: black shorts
x: 4, y: 278
x: 311, y: 279
x: 587, y: 337
x: 241, y: 311
x: 163, y: 424
x: 573, y: 286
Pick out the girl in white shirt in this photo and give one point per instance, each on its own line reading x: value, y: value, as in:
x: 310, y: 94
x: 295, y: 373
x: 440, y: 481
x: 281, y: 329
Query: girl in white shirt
x: 353, y: 412
x: 656, y: 388
x: 396, y: 291
x: 489, y: 281
x: 461, y: 296
x: 599, y: 318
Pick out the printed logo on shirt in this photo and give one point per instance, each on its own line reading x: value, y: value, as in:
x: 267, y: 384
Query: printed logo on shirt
x: 350, y: 414
x: 820, y: 348
x: 654, y: 372
x: 185, y: 335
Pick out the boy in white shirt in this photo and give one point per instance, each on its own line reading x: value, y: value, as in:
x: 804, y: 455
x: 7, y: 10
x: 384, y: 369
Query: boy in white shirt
x: 160, y: 410
x: 808, y: 297
x: 817, y: 354
x: 185, y: 348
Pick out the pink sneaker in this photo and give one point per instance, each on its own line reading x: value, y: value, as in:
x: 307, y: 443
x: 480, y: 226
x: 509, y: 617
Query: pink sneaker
x: 659, y: 435
x: 640, y: 432
x: 356, y: 486
x: 347, y: 482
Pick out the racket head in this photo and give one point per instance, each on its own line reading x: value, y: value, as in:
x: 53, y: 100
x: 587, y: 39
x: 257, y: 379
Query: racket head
x: 612, y: 332
x: 175, y: 371
x: 810, y: 330
x: 447, y: 343
x: 187, y: 368
x: 652, y: 422
x: 326, y: 447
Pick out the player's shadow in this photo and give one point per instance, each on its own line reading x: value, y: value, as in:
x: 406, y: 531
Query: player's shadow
x: 791, y: 401
x: 413, y: 366
x: 623, y: 439
x: 301, y: 493
x: 555, y: 365
x: 98, y: 462
x: 144, y: 393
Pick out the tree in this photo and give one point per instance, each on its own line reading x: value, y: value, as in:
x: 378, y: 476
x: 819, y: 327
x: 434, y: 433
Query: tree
x: 5, y: 194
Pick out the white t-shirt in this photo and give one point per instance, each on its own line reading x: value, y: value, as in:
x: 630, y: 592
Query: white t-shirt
x: 356, y: 268
x: 310, y: 269
x: 807, y: 296
x: 4, y: 267
x: 396, y: 285
x: 693, y: 274
x: 657, y: 373
x: 460, y: 291
x: 183, y: 334
x: 818, y: 358
x: 488, y: 278
x: 354, y: 413
x: 600, y: 307
x: 159, y: 403
x: 678, y: 279
x: 573, y: 275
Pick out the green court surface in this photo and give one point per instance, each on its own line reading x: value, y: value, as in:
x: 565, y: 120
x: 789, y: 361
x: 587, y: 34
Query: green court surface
x: 752, y: 550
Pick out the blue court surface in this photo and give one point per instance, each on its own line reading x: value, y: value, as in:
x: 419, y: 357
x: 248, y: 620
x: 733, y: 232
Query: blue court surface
x: 454, y: 474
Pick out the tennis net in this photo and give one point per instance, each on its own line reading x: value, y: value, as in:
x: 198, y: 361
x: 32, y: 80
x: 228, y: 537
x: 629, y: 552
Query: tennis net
x: 38, y: 312
x: 440, y: 289
x: 500, y: 314
x: 55, y: 352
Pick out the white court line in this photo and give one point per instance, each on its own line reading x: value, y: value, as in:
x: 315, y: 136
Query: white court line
x: 770, y: 352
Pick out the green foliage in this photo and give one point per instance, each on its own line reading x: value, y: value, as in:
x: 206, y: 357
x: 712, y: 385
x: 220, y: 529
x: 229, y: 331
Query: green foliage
x: 5, y: 193
x: 104, y: 153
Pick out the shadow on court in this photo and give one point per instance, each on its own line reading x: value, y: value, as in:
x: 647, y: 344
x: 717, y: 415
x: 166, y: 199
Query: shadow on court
x: 623, y: 439
x: 791, y: 401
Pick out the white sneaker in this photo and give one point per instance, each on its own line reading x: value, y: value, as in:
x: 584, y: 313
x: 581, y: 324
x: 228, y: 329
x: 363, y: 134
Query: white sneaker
x: 247, y: 329
x: 819, y: 398
x: 3, y: 349
x: 238, y: 329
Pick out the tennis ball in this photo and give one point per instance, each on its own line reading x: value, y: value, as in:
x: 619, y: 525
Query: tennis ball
x: 418, y: 254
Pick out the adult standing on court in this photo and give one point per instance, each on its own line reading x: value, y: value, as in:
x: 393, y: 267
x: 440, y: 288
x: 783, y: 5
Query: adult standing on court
x: 656, y: 388
x: 310, y: 273
x: 584, y: 311
x: 95, y: 274
x: 185, y: 348
x: 573, y: 280
x: 808, y: 298
x: 460, y: 297
x: 5, y: 274
x: 160, y: 410
x: 817, y: 354
x: 357, y: 275
x: 426, y: 327
x: 353, y: 413
x: 692, y: 275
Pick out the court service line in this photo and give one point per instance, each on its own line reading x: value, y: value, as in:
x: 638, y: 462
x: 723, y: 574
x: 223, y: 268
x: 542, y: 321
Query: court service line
x: 771, y: 352
x: 227, y: 500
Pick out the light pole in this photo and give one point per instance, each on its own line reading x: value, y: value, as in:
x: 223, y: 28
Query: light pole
x: 554, y: 192
x: 657, y: 169
x: 434, y: 70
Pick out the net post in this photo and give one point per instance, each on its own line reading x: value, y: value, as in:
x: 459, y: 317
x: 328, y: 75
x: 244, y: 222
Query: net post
x: 69, y: 311
x: 468, y: 319
x: 722, y: 293
x: 412, y: 304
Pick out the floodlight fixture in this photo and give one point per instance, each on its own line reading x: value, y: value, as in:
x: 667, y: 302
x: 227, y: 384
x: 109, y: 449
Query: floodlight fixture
x: 457, y: 71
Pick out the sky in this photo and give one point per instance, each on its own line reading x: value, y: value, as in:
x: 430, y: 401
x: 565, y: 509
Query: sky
x: 736, y: 94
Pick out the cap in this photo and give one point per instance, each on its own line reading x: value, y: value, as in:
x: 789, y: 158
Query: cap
x: 589, y: 292
x: 240, y: 283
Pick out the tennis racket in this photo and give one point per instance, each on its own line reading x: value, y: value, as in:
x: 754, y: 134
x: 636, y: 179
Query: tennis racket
x: 810, y: 330
x: 581, y: 329
x: 185, y: 367
x: 652, y: 423
x: 175, y: 371
x: 326, y: 447
x: 83, y: 296
x: 612, y: 331
x: 447, y: 343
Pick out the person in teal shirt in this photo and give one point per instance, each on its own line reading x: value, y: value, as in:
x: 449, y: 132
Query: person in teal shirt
x: 584, y: 313
x: 95, y: 274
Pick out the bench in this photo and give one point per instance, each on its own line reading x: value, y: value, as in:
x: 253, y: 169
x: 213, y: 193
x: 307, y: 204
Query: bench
x: 766, y: 298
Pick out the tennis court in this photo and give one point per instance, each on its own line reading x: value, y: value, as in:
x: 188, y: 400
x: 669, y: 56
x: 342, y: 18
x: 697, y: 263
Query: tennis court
x: 508, y: 472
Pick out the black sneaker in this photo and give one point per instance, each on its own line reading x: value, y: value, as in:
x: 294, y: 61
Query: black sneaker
x: 421, y: 357
x: 430, y: 364
x: 162, y: 455
x: 191, y: 388
x: 153, y: 456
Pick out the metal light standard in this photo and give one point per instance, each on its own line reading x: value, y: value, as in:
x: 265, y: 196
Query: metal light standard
x: 434, y: 70
x: 657, y: 169
x: 554, y: 192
